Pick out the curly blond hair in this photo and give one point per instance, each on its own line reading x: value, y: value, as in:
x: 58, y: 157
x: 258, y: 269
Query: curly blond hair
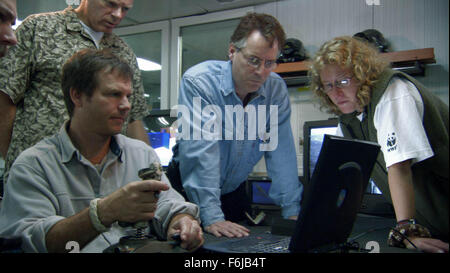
x: 349, y: 53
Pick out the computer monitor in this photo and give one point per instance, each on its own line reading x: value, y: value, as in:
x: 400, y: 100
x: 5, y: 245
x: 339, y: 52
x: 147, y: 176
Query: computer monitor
x: 161, y: 134
x: 313, y: 133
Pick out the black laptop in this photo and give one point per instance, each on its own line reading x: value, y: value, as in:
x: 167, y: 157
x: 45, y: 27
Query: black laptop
x: 329, y: 207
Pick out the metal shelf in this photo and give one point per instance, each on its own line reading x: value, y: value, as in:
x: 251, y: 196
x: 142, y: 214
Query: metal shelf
x: 411, y: 62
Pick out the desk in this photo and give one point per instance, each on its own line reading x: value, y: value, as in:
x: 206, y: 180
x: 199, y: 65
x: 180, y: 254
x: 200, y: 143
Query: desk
x: 368, y: 230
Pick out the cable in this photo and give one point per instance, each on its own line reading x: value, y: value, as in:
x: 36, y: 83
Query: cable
x: 405, y: 238
x: 352, y: 241
x: 351, y: 244
x: 366, y: 232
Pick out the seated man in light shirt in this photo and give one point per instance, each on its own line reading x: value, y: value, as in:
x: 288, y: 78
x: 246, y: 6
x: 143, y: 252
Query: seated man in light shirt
x: 78, y: 184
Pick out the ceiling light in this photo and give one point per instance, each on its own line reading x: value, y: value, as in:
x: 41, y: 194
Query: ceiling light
x: 17, y: 23
x: 147, y: 65
x: 163, y: 121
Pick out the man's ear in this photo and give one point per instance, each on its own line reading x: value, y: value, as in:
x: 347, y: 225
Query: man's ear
x: 231, y: 51
x: 75, y: 96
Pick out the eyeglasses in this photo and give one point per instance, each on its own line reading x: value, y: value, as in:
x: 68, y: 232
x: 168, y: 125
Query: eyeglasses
x: 338, y: 84
x: 255, y: 62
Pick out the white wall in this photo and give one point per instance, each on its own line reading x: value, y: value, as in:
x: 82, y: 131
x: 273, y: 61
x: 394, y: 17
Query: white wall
x: 406, y: 24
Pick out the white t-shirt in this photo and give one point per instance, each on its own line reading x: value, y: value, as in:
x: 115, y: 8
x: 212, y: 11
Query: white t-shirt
x: 398, y: 121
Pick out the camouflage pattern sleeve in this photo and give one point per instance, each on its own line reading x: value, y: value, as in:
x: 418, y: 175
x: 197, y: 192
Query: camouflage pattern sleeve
x: 139, y: 105
x: 16, y: 66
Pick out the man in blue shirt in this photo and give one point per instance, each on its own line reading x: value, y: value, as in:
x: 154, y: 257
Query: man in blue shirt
x: 214, y: 155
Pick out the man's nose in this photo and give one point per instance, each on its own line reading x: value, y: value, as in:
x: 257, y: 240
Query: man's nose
x: 125, y: 104
x: 118, y: 13
x: 261, y: 70
x: 7, y: 36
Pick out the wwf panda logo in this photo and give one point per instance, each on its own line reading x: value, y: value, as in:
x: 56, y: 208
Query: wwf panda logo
x: 391, y: 142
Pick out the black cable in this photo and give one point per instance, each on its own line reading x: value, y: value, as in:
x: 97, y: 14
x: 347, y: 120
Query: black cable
x: 352, y: 240
x: 366, y: 232
x: 405, y: 238
x: 353, y: 245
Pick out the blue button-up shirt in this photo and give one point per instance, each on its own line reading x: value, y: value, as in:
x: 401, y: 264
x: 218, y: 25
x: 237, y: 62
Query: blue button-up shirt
x: 216, y: 155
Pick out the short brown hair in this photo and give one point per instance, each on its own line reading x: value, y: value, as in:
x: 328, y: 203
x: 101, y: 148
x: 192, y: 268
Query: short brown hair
x: 266, y: 24
x: 81, y: 71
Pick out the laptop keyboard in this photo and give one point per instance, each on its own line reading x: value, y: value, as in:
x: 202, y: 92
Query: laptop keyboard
x: 261, y: 244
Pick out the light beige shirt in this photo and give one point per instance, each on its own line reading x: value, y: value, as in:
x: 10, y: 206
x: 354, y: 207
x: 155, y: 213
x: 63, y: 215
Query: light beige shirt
x: 52, y: 180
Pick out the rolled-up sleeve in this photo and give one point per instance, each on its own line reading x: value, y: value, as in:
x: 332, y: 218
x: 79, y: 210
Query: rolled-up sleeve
x: 171, y: 203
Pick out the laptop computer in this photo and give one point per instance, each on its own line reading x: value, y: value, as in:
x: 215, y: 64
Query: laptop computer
x: 329, y: 207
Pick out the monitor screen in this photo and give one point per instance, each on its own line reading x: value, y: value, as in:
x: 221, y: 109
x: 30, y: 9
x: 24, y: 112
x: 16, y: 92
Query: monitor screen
x: 315, y: 144
x: 161, y: 134
x: 260, y: 192
x: 313, y: 132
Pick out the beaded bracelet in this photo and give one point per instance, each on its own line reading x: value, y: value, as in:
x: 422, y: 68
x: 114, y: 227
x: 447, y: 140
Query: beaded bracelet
x: 93, y: 214
x: 405, y: 229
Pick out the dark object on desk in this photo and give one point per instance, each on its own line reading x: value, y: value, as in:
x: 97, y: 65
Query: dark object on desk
x: 281, y: 226
x: 129, y: 244
x: 171, y: 246
x: 11, y: 245
x: 336, y: 189
x: 151, y: 245
x: 330, y: 206
x: 374, y: 202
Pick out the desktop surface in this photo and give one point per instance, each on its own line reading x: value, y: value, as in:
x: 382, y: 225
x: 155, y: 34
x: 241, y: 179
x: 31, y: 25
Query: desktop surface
x: 369, y: 232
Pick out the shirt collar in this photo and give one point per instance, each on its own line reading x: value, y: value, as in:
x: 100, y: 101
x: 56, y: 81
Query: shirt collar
x: 68, y: 150
x: 227, y: 84
x: 72, y: 20
x: 73, y: 23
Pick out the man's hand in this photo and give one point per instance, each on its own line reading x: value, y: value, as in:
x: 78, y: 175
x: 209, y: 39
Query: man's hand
x: 191, y: 233
x: 132, y: 203
x: 427, y: 245
x: 227, y: 228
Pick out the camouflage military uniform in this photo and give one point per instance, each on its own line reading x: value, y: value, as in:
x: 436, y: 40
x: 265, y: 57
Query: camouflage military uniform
x: 30, y: 74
